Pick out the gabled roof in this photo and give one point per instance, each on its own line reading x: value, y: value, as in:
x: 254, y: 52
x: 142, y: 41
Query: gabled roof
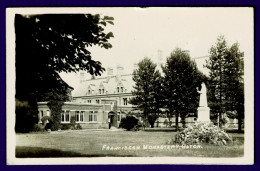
x: 109, y: 83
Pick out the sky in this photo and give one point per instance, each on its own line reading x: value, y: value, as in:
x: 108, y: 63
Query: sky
x: 141, y: 32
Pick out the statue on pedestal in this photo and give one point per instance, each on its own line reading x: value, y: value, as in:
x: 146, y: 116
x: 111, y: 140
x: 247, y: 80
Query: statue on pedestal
x: 203, y: 109
x: 203, y: 96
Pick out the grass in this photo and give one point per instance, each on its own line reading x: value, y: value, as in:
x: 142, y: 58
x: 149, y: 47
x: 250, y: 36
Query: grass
x: 90, y: 143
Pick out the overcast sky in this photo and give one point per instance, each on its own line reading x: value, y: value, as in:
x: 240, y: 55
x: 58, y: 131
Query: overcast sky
x: 141, y: 32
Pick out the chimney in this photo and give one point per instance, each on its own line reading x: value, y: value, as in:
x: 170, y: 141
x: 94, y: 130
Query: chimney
x: 160, y: 56
x: 135, y: 66
x: 82, y: 76
x: 186, y: 51
x: 109, y: 71
x: 120, y: 69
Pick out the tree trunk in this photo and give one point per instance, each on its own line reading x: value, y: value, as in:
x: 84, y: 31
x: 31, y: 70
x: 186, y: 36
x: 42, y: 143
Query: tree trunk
x: 183, y: 122
x: 177, y: 122
x: 220, y: 120
x: 239, y: 121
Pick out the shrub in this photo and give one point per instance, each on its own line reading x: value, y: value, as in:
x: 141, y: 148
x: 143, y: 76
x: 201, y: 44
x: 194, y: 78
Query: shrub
x: 65, y: 126
x: 78, y: 126
x: 54, y: 126
x: 45, y: 119
x: 38, y: 128
x: 129, y: 122
x: 224, y: 120
x: 166, y: 122
x: 232, y: 114
x: 202, y: 133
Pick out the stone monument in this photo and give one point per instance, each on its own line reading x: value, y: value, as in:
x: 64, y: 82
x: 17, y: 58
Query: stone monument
x: 203, y: 109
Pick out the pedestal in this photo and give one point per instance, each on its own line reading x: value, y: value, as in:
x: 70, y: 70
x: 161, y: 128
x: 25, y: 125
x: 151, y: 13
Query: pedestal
x: 203, y: 114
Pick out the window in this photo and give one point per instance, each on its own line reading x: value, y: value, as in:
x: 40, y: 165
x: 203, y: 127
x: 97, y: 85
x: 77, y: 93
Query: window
x: 118, y: 89
x: 48, y: 113
x: 40, y: 115
x: 93, y: 116
x: 89, y: 91
x: 125, y: 101
x: 99, y: 91
x: 65, y: 116
x: 89, y: 101
x: 122, y: 89
x: 79, y: 116
x: 103, y: 91
x: 97, y: 101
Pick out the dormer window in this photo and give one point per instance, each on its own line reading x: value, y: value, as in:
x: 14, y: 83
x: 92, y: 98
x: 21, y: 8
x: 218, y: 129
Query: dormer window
x: 118, y: 89
x: 89, y: 91
x: 103, y: 91
x: 99, y: 91
x: 122, y: 89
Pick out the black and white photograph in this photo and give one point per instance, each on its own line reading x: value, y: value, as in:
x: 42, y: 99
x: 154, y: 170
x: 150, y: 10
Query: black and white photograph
x: 130, y: 85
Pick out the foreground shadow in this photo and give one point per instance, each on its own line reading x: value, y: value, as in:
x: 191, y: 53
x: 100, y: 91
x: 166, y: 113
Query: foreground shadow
x: 40, y: 152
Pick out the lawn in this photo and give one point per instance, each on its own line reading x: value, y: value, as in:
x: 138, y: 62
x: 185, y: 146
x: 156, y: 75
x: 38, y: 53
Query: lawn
x: 97, y: 143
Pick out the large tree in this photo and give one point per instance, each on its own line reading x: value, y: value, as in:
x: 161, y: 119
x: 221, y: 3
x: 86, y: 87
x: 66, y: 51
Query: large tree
x: 47, y: 45
x: 181, y: 78
x: 147, y: 90
x: 226, y: 88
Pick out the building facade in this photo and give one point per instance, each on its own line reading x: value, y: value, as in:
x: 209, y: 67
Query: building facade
x: 97, y: 102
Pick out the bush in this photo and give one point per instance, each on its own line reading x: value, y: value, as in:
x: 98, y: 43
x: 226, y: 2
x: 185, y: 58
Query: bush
x: 45, y: 119
x: 54, y: 126
x: 202, y: 133
x: 38, y: 128
x: 65, y: 126
x: 129, y: 122
x: 232, y: 114
x: 78, y: 126
x: 166, y: 122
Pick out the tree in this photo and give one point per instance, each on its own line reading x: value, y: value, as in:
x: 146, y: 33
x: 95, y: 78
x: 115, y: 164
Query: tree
x: 226, y: 85
x: 147, y: 90
x: 49, y: 44
x: 181, y: 78
x: 129, y: 122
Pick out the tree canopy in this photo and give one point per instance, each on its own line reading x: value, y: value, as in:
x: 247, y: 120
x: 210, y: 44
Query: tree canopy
x: 147, y: 90
x: 52, y: 43
x: 181, y: 78
x: 226, y: 85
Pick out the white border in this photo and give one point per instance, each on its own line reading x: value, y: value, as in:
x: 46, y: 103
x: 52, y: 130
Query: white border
x: 10, y: 102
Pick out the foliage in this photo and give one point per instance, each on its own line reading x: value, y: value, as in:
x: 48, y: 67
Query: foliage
x: 226, y: 85
x: 55, y: 107
x: 202, y: 132
x: 231, y: 114
x: 38, y: 128
x: 47, y: 45
x: 181, y: 78
x: 223, y: 120
x: 45, y: 119
x: 72, y: 125
x: 65, y: 126
x: 129, y: 122
x: 78, y: 126
x: 26, y: 115
x: 166, y: 122
x: 147, y: 90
